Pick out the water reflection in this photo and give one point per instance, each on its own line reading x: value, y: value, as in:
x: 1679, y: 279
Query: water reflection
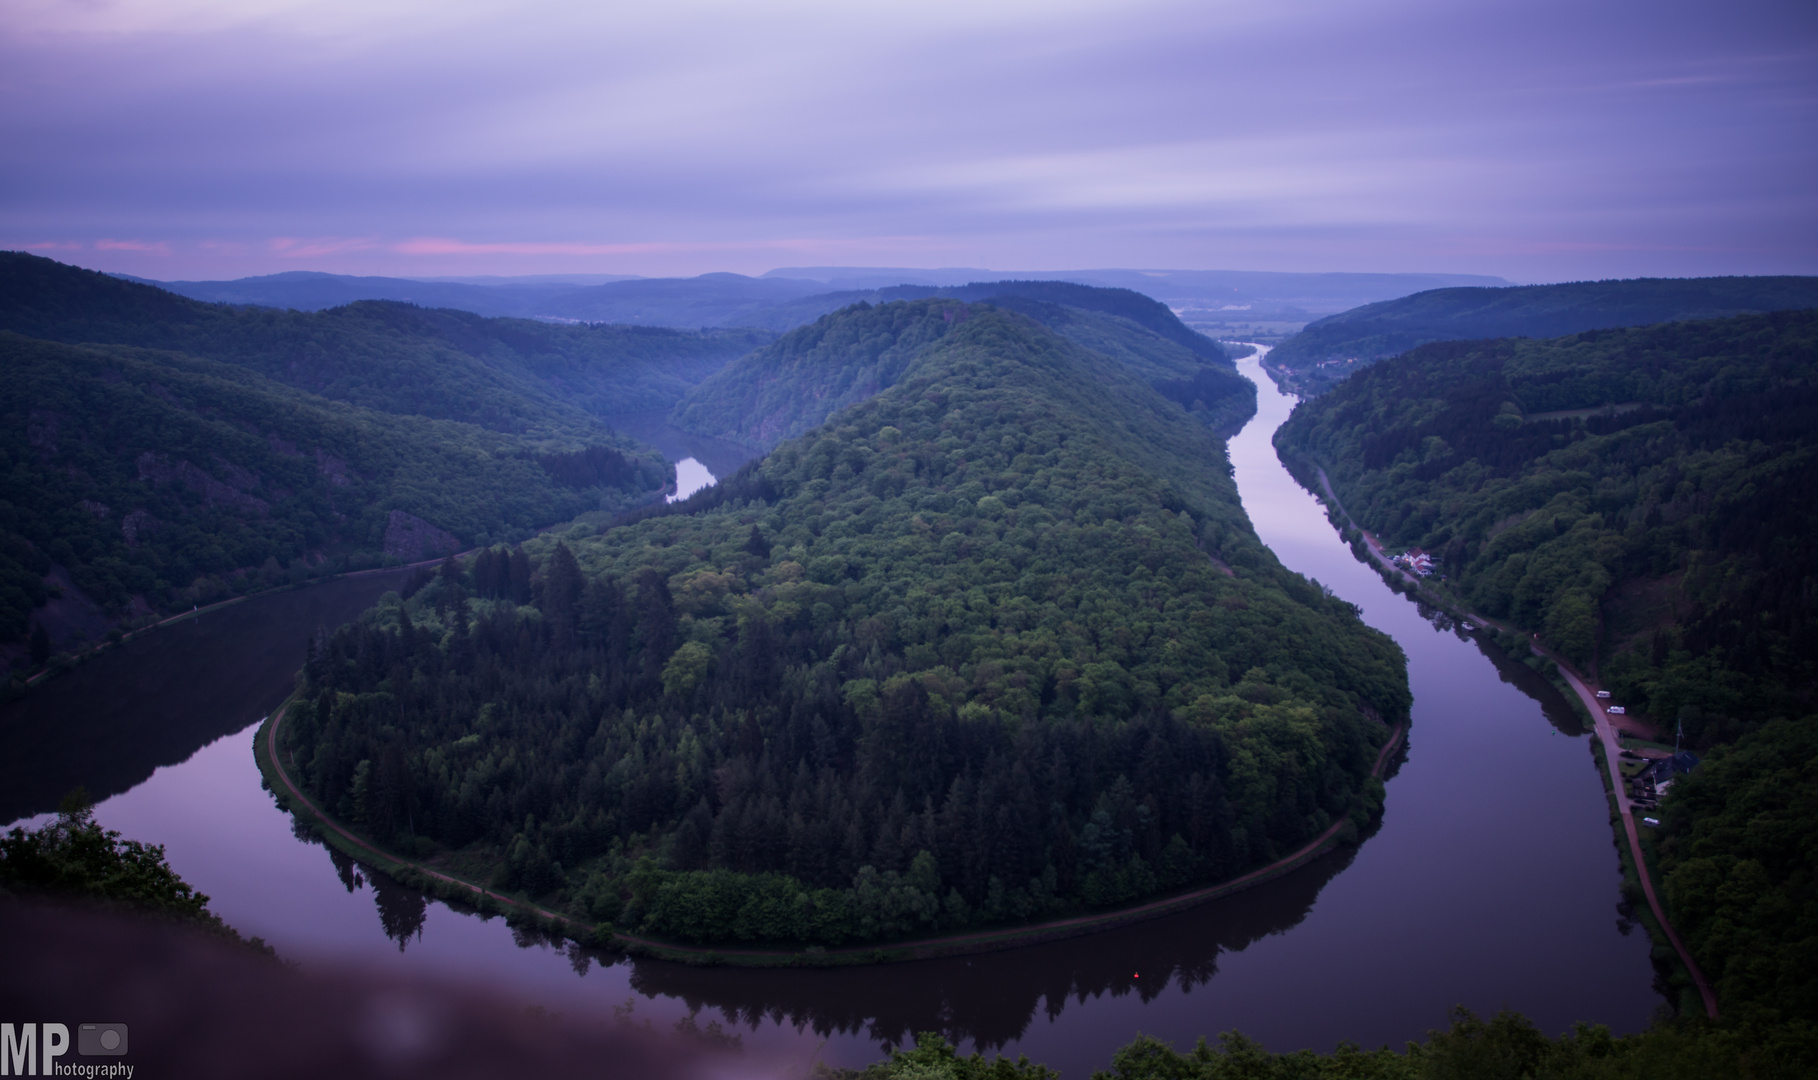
x: 717, y: 456
x: 402, y: 909
x: 1553, y: 703
x: 690, y: 477
x: 162, y: 696
x: 991, y: 1000
x: 1489, y: 883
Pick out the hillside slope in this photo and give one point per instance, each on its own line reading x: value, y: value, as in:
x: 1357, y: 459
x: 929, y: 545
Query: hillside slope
x: 313, y: 291
x: 511, y: 375
x: 707, y: 300
x: 1646, y: 500
x: 155, y: 481
x: 995, y: 643
x: 794, y: 384
x: 807, y: 375
x: 1374, y: 331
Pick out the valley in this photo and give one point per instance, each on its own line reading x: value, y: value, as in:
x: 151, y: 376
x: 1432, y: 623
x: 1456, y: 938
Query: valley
x: 1344, y: 948
x: 942, y: 627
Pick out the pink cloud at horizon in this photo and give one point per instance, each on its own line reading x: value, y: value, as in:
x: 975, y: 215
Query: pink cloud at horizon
x: 159, y: 246
x: 438, y: 245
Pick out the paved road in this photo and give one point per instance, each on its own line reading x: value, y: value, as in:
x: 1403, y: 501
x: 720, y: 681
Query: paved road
x: 1612, y: 749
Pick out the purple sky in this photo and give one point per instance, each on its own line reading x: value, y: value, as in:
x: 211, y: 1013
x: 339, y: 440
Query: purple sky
x: 1537, y: 140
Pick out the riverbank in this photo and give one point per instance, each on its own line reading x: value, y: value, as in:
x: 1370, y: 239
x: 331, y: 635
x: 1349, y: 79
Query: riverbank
x: 1489, y: 881
x: 1609, y: 740
x: 451, y: 887
x: 72, y: 661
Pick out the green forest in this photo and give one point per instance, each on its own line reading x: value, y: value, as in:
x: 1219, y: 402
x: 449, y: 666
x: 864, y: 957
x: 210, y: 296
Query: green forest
x: 158, y: 481
x: 512, y: 375
x: 1389, y: 327
x: 160, y: 452
x: 810, y: 373
x: 1646, y: 500
x: 994, y: 644
x: 794, y: 384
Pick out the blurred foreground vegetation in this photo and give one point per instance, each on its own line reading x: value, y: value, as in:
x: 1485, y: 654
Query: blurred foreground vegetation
x: 1504, y: 1047
x: 73, y: 859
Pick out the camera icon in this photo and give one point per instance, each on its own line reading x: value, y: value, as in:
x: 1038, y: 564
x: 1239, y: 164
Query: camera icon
x: 101, y: 1040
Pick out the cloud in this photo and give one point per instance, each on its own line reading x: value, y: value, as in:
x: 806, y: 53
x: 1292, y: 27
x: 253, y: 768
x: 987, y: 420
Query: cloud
x: 434, y: 245
x: 1567, y: 138
x: 293, y: 247
x: 158, y: 246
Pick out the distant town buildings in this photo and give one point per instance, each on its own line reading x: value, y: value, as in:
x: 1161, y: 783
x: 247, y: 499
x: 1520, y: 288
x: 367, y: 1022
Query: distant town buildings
x: 1647, y: 786
x: 1416, y: 560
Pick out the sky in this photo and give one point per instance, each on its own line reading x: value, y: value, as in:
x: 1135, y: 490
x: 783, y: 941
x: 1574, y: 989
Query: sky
x: 1536, y: 140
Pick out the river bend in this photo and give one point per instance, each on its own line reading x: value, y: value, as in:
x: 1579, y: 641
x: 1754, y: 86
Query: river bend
x: 1492, y: 880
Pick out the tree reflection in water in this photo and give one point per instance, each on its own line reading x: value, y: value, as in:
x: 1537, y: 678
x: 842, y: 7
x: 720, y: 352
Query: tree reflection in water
x: 990, y: 999
x: 159, y: 698
x: 402, y: 909
x: 1553, y: 704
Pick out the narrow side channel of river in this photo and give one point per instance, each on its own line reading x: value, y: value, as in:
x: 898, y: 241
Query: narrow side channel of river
x: 1492, y: 881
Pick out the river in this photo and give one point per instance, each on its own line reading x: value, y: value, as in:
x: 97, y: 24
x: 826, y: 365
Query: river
x: 1492, y: 880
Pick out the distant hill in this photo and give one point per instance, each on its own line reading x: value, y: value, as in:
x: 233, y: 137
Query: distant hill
x: 709, y: 300
x: 794, y: 384
x: 1151, y: 315
x: 1034, y: 298
x: 151, y: 481
x: 161, y: 451
x: 1316, y: 292
x: 513, y: 375
x: 1374, y: 331
x: 305, y: 290
x: 1228, y: 304
x: 808, y: 374
x: 704, y: 301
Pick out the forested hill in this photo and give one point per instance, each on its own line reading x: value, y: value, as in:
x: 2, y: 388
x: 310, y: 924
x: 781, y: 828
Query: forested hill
x: 797, y: 382
x: 194, y: 451
x: 995, y: 644
x: 1377, y: 330
x: 1129, y: 305
x: 794, y: 384
x: 510, y: 375
x: 1147, y: 327
x: 308, y: 290
x: 152, y: 481
x: 1647, y: 500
